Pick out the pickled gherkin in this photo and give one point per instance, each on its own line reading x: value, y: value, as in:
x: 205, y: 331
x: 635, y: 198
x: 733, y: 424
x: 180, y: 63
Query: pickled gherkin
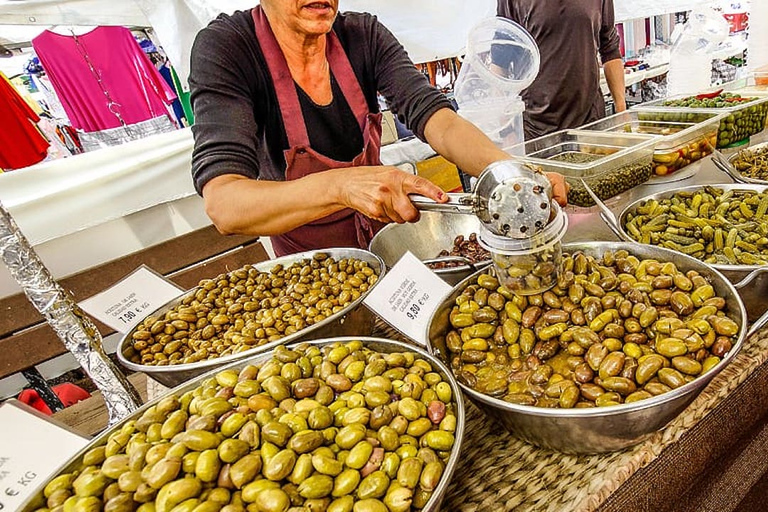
x: 285, y: 443
x: 727, y: 227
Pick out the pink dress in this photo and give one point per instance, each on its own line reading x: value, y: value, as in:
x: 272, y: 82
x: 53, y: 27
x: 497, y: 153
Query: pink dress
x: 103, y: 77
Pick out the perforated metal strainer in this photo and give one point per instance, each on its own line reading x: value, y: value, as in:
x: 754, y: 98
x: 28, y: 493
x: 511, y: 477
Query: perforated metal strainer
x: 510, y: 198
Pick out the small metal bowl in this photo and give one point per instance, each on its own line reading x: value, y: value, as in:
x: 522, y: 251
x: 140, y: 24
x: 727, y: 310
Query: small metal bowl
x: 738, y: 176
x: 600, y: 429
x: 352, y: 320
x: 378, y: 344
x: 425, y: 239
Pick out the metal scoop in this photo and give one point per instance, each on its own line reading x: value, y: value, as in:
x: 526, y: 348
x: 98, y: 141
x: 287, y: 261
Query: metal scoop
x: 510, y: 198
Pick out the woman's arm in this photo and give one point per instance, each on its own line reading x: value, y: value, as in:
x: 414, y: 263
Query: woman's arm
x: 237, y: 204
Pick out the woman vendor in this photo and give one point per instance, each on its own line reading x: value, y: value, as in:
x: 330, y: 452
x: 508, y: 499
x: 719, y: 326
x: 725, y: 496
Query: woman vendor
x: 287, y: 126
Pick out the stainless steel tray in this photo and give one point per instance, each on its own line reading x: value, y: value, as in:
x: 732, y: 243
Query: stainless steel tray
x: 354, y: 319
x: 379, y: 344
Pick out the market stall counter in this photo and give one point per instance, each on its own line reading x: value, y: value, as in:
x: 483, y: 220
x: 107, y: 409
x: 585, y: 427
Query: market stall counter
x: 708, y: 458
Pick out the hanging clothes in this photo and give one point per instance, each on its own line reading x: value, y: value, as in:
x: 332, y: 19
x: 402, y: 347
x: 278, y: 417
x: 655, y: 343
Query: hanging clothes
x: 178, y: 110
x: 55, y: 108
x: 184, y: 97
x: 21, y: 143
x: 103, y: 78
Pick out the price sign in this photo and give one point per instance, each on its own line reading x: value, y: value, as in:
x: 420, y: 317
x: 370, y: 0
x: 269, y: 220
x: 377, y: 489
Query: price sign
x: 126, y: 303
x: 407, y: 296
x: 31, y: 449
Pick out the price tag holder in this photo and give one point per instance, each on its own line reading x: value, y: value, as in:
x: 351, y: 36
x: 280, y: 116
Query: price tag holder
x: 407, y: 296
x: 125, y: 304
x: 32, y: 448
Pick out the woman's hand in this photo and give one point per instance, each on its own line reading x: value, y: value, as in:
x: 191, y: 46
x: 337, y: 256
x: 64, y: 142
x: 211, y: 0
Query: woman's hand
x: 560, y: 187
x: 381, y: 192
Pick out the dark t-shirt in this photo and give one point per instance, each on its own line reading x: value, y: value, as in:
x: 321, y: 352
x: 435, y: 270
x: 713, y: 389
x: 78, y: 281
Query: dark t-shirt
x: 570, y: 35
x: 238, y: 127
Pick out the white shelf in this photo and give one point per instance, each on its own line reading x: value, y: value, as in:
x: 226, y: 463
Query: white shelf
x: 635, y: 77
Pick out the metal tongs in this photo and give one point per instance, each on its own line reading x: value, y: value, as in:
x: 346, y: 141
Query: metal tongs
x: 511, y: 199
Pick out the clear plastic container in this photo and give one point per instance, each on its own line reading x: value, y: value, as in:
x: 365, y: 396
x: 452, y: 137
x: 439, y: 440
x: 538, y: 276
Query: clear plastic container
x: 740, y: 121
x: 610, y: 163
x: 532, y: 265
x: 501, y: 60
x: 684, y: 139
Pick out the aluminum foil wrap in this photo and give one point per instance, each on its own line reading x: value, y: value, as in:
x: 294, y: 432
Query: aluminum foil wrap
x: 78, y: 333
x: 92, y: 141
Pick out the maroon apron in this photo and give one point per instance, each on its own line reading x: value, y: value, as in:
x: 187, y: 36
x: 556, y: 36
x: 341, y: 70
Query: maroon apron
x: 347, y: 227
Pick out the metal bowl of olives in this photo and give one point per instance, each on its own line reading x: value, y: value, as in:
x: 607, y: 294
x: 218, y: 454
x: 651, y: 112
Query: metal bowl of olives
x: 277, y: 430
x: 591, y: 400
x: 746, y: 267
x: 435, y: 232
x: 295, y: 290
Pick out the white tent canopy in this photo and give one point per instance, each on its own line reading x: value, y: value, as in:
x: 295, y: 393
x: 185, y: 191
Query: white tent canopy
x: 428, y: 29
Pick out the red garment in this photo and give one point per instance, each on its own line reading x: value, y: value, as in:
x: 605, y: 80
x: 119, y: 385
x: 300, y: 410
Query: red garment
x: 68, y: 393
x: 21, y: 143
x: 128, y: 78
x: 345, y: 228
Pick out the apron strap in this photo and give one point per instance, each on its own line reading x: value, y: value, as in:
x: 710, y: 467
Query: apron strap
x: 285, y: 86
x: 345, y: 77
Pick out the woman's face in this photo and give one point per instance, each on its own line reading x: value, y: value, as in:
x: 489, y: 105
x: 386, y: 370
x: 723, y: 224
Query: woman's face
x: 306, y: 17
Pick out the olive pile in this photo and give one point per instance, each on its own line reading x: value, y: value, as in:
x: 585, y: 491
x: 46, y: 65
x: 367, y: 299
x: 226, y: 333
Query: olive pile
x: 614, y: 330
x: 713, y: 225
x: 247, y: 308
x: 609, y: 184
x: 753, y: 163
x: 529, y: 274
x: 338, y: 428
x: 738, y: 124
x: 468, y: 248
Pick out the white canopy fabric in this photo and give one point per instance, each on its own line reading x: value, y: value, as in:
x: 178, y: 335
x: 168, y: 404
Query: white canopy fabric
x: 428, y: 29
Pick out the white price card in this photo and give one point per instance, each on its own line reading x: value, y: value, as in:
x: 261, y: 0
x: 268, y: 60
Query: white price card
x: 126, y: 303
x: 31, y: 449
x: 407, y: 296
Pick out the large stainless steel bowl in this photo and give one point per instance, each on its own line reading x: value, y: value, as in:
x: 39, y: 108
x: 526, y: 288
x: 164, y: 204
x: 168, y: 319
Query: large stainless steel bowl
x: 355, y: 319
x: 434, y: 232
x: 378, y: 344
x: 602, y: 429
x: 750, y: 280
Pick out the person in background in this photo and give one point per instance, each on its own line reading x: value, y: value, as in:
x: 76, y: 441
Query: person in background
x: 570, y: 36
x: 287, y: 132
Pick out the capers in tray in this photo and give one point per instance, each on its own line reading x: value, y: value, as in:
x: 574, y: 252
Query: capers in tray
x: 613, y: 330
x: 335, y: 428
x: 246, y: 308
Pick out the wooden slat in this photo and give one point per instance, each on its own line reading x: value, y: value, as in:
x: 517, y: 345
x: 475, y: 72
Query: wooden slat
x: 89, y: 417
x: 39, y: 343
x: 165, y: 258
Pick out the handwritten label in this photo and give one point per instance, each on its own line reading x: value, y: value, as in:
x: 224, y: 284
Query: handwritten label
x: 31, y: 450
x: 125, y: 304
x: 407, y: 296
